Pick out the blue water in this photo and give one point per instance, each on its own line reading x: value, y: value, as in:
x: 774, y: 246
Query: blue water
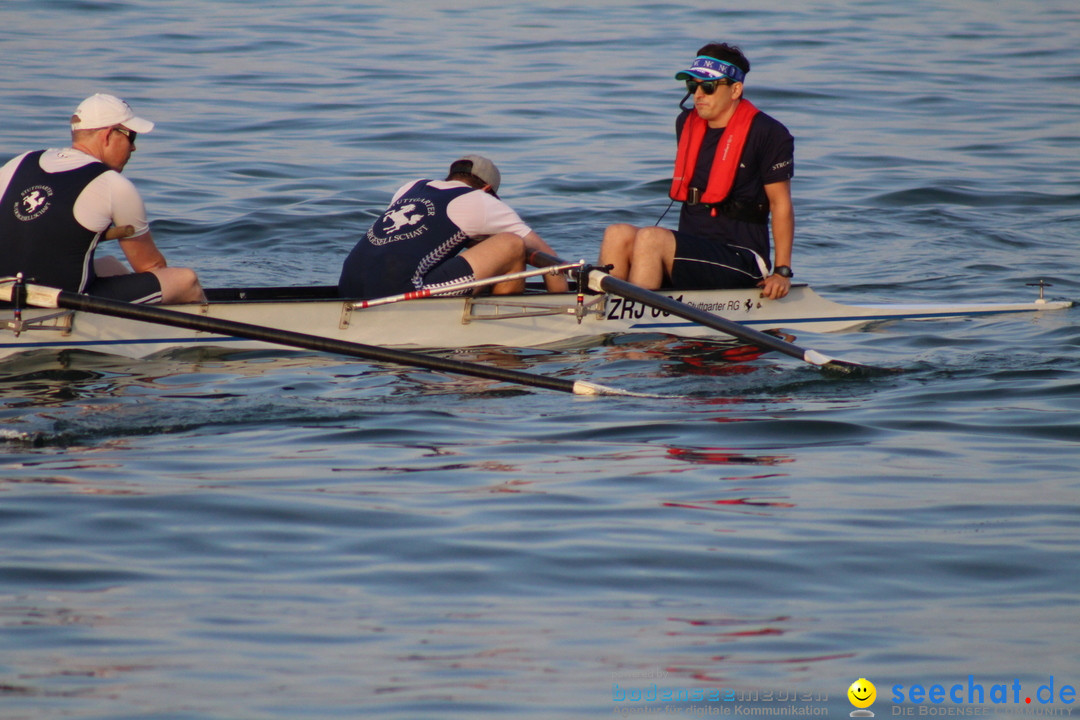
x: 216, y: 536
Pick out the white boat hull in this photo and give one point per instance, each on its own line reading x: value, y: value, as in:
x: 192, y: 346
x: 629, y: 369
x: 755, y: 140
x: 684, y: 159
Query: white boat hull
x: 521, y: 321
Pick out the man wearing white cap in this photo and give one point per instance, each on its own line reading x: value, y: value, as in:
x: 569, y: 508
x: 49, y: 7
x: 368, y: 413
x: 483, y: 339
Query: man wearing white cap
x: 733, y: 171
x: 57, y: 205
x: 440, y: 232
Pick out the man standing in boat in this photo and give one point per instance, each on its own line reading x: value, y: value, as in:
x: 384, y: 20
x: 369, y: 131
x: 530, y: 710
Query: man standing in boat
x: 733, y: 172
x: 57, y: 205
x: 440, y: 232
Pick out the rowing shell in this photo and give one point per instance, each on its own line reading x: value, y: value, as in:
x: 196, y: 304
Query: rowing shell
x: 528, y: 320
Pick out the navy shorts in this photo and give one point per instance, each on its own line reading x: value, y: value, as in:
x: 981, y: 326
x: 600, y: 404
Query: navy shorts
x: 135, y: 287
x: 708, y: 264
x: 456, y: 269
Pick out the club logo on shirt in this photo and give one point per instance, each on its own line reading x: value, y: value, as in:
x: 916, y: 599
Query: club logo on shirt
x: 403, y: 221
x: 33, y: 202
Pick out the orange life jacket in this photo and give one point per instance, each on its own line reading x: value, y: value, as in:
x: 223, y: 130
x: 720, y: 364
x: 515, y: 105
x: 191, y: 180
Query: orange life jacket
x: 726, y: 162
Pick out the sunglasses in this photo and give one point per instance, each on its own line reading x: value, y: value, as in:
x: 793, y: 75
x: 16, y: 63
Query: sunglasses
x: 707, y: 86
x: 130, y: 134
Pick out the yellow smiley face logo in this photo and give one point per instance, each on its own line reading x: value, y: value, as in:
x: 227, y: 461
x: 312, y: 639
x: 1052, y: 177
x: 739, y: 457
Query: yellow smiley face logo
x: 862, y: 693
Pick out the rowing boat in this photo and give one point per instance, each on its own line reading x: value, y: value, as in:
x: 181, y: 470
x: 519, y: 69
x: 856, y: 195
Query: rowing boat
x: 529, y: 320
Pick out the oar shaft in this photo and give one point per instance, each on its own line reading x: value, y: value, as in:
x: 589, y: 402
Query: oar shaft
x: 607, y: 283
x: 47, y: 297
x: 458, y: 287
x: 602, y: 282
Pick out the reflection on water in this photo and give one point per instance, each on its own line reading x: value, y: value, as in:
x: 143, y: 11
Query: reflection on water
x: 722, y: 456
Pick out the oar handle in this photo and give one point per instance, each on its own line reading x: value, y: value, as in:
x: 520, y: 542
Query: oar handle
x: 541, y: 259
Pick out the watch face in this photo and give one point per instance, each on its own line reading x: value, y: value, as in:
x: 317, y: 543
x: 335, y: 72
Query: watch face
x: 783, y: 271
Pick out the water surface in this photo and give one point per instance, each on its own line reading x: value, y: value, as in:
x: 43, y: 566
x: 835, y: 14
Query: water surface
x: 280, y: 535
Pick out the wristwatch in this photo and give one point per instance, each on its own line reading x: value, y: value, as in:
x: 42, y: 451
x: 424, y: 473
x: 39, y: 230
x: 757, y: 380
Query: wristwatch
x: 783, y: 271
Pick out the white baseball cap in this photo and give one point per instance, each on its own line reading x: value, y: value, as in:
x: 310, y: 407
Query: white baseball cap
x: 100, y: 110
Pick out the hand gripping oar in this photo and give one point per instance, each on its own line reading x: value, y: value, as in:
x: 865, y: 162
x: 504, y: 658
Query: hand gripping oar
x: 600, y: 281
x: 52, y: 298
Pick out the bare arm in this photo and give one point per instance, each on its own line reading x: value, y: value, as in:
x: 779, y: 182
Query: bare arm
x: 783, y: 236
x: 553, y: 283
x: 142, y: 253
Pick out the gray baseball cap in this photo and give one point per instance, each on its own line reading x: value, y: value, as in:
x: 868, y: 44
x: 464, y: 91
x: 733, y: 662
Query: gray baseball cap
x: 482, y: 168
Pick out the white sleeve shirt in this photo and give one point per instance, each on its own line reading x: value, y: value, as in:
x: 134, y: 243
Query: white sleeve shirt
x: 478, y: 214
x: 109, y: 199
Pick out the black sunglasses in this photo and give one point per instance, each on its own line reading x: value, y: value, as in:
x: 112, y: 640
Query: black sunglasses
x: 707, y: 86
x: 131, y: 134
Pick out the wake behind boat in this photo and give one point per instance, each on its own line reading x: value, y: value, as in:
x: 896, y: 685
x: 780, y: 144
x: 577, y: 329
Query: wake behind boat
x: 528, y: 320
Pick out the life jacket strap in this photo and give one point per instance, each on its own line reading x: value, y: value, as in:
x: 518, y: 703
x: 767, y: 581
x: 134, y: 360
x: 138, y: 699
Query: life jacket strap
x: 750, y: 212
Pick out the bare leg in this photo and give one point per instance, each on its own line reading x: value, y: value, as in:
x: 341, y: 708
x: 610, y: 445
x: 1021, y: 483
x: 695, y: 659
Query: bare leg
x: 644, y: 256
x: 652, y: 258
x: 107, y: 266
x: 498, y: 255
x: 617, y: 248
x: 179, y: 285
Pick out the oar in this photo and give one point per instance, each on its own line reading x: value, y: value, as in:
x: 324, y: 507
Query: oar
x: 40, y: 296
x: 458, y: 287
x: 600, y: 281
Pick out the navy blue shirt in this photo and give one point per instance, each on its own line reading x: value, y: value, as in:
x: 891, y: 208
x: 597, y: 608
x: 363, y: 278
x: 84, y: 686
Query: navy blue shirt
x: 39, y: 235
x: 768, y: 157
x: 411, y: 238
